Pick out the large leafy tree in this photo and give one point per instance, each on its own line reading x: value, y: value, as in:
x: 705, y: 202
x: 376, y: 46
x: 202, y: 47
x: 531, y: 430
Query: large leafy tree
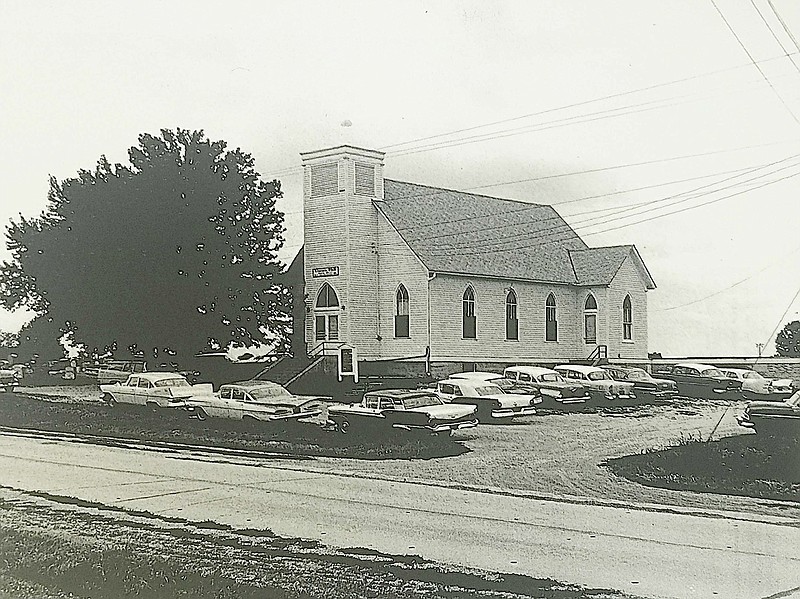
x: 172, y: 254
x: 787, y: 343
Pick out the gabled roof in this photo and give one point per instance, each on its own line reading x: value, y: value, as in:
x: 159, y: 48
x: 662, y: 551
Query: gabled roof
x: 599, y: 266
x: 471, y: 234
x: 465, y: 233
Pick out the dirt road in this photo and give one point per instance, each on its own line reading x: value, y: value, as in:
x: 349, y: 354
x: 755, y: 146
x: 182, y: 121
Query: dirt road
x: 642, y: 552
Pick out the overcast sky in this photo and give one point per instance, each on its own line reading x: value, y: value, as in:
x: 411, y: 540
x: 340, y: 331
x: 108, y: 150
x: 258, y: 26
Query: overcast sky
x: 533, y: 94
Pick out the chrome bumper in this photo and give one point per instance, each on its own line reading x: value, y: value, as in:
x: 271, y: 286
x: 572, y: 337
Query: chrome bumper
x: 438, y: 428
x: 511, y: 412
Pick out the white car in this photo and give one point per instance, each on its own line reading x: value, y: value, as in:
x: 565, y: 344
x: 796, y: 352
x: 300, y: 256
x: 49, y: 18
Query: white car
x: 8, y: 378
x: 256, y: 401
x: 597, y: 380
x: 492, y: 402
x: 153, y: 389
x: 754, y: 385
x: 550, y: 383
x: 508, y: 385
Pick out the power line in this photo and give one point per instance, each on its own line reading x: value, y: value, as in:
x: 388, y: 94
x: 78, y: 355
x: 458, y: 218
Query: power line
x: 587, y: 223
x: 567, y: 174
x: 697, y: 205
x: 629, y: 165
x: 729, y: 287
x: 574, y: 105
x: 563, y: 122
x: 571, y: 234
x: 574, y: 173
x: 755, y: 64
x: 783, y: 24
x: 774, y: 35
x: 780, y: 320
x: 559, y: 217
x: 293, y: 169
x: 572, y: 231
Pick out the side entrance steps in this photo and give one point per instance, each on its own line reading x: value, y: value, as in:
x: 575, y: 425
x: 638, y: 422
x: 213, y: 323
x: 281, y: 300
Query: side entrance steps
x: 598, y: 357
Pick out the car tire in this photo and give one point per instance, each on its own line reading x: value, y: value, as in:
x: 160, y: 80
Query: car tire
x: 153, y: 407
x: 250, y: 422
x: 343, y: 426
x: 109, y: 400
x: 200, y: 414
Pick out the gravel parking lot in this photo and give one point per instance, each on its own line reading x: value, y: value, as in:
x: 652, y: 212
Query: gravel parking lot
x: 564, y: 454
x: 555, y: 453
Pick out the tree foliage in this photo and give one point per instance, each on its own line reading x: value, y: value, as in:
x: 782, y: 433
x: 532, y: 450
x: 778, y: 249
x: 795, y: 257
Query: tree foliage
x: 787, y: 343
x: 174, y: 253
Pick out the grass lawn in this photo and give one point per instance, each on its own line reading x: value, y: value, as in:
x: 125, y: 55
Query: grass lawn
x: 753, y: 465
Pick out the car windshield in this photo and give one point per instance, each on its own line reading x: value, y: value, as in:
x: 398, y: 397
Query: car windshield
x: 753, y: 375
x: 637, y: 375
x: 488, y: 390
x: 267, y: 391
x: 551, y: 377
x: 598, y: 376
x: 794, y: 400
x: 713, y: 372
x: 176, y: 382
x: 504, y: 383
x: 421, y: 401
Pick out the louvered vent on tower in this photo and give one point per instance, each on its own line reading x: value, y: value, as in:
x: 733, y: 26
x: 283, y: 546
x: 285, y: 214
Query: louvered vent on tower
x: 365, y: 179
x: 324, y: 179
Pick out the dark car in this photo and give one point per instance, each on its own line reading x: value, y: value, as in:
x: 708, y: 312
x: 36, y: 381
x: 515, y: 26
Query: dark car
x: 703, y: 381
x: 401, y: 409
x: 773, y: 416
x: 117, y: 371
x: 644, y: 384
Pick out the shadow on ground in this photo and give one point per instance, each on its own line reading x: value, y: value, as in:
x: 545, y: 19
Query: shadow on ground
x: 293, y: 438
x: 54, y: 549
x: 763, y: 465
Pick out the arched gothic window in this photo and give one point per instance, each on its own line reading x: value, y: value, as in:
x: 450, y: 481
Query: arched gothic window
x: 550, y: 318
x: 327, y: 298
x: 627, y: 318
x: 401, y: 326
x: 512, y: 323
x: 326, y: 321
x: 590, y: 320
x: 468, y: 320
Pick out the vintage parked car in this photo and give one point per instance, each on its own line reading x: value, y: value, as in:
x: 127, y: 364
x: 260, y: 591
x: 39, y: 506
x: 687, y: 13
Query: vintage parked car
x: 117, y: 371
x: 757, y: 387
x: 153, y: 389
x: 550, y: 384
x: 644, y: 384
x: 509, y: 385
x: 491, y: 401
x: 702, y: 380
x: 9, y: 378
x: 597, y: 380
x: 255, y: 401
x: 773, y: 416
x: 401, y: 409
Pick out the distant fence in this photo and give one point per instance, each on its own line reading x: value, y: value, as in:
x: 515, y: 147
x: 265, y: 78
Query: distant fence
x: 776, y: 368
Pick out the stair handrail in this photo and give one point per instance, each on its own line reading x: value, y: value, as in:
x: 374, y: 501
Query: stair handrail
x: 599, y: 354
x: 322, y: 348
x: 305, y: 370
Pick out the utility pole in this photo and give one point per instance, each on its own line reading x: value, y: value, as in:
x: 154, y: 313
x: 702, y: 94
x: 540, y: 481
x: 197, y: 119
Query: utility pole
x: 759, y: 347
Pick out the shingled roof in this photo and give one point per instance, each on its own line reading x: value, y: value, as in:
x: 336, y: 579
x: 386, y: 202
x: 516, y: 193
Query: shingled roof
x: 472, y: 234
x: 598, y: 266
